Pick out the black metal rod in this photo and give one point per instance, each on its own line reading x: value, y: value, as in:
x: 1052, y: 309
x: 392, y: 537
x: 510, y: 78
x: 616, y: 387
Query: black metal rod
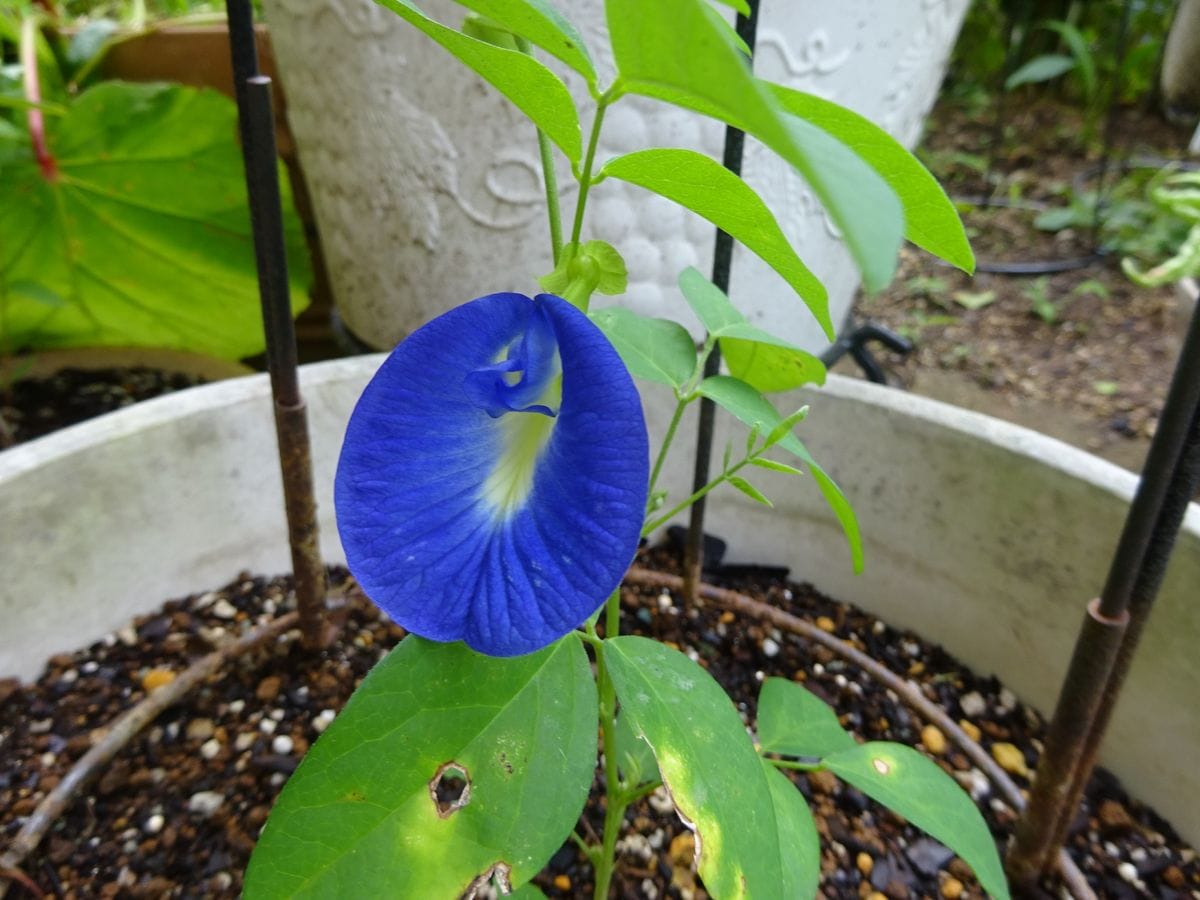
x: 256, y: 123
x: 1107, y: 641
x: 693, y: 554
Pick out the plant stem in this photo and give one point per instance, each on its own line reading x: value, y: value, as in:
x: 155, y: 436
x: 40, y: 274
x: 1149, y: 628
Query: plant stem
x: 585, y: 177
x: 549, y: 178
x: 33, y: 93
x: 684, y: 504
x: 680, y: 406
x: 615, y: 801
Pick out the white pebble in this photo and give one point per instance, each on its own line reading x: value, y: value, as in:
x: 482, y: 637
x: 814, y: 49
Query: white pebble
x: 1138, y: 854
x: 660, y: 801
x: 973, y: 704
x: 89, y: 667
x: 48, y: 759
x: 282, y: 745
x: 41, y: 726
x: 656, y: 839
x: 205, y: 803
x: 1008, y: 700
x: 277, y: 714
x: 975, y: 783
x: 664, y: 601
x: 127, y: 636
x: 221, y: 882
x: 277, y: 778
x: 840, y: 680
x: 268, y: 726
x: 223, y: 609
x: 1112, y: 849
x: 878, y: 627
x: 787, y: 593
x: 205, y: 600
x: 759, y: 676
x: 770, y: 648
x: 692, y: 654
x: 635, y: 845
x: 323, y: 720
x: 818, y: 669
x: 649, y: 889
x: 1128, y: 872
x: 911, y: 648
x: 244, y: 741
x: 237, y: 706
x: 210, y: 748
x: 154, y: 824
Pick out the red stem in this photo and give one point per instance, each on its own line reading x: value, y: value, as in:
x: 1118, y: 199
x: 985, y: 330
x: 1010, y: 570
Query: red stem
x: 33, y: 93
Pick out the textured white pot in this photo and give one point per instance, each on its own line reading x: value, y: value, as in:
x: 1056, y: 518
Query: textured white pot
x: 426, y: 186
x: 980, y: 535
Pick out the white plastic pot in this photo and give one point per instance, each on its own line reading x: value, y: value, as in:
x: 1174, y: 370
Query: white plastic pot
x: 426, y: 187
x: 981, y: 535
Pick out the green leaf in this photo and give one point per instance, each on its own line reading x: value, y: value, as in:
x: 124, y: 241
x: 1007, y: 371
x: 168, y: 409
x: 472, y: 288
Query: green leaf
x: 750, y: 490
x: 908, y: 783
x: 974, y: 299
x: 358, y: 818
x: 1079, y: 48
x: 532, y: 87
x: 657, y: 350
x: 145, y: 233
x: 752, y: 408
x: 708, y: 302
x: 1039, y: 69
x: 931, y: 220
x: 757, y: 357
x: 793, y: 721
x: 634, y: 756
x: 543, y: 26
x: 584, y: 269
x: 710, y: 190
x: 740, y: 6
x: 797, y: 836
x: 707, y: 762
x: 672, y: 50
x: 771, y: 366
x: 763, y: 463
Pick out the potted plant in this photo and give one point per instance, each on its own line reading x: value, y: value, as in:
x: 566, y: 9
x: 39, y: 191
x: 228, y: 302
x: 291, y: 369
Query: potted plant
x: 412, y: 391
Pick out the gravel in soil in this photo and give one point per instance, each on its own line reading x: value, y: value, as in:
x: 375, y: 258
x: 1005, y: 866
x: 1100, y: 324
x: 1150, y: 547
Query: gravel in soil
x: 176, y: 814
x: 33, y: 407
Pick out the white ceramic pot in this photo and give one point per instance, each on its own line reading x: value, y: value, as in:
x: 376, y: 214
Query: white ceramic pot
x: 426, y: 186
x: 981, y: 535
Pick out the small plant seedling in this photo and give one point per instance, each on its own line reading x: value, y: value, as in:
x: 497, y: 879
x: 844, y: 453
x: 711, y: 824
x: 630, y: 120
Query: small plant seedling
x: 1040, y: 302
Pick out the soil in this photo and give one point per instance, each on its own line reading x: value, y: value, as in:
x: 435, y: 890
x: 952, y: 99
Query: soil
x: 177, y: 812
x: 33, y: 407
x: 1084, y: 355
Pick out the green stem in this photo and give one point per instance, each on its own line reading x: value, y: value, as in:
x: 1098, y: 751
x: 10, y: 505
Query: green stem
x: 684, y: 504
x: 585, y: 177
x: 549, y: 178
x: 615, y: 802
x: 680, y: 406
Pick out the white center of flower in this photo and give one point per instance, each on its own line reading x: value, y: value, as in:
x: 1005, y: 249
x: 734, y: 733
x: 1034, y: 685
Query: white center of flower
x: 523, y: 437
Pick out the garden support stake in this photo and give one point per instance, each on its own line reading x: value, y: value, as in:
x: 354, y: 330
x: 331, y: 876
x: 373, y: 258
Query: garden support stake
x: 693, y: 551
x: 256, y: 123
x: 1099, y: 662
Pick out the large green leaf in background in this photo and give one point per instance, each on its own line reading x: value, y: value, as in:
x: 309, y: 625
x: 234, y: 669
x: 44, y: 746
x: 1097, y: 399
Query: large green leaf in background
x: 358, y: 820
x: 144, y: 238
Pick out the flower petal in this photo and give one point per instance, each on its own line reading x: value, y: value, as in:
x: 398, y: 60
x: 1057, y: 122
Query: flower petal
x: 479, y: 496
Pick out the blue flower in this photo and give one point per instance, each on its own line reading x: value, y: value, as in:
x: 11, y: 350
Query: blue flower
x: 492, y: 483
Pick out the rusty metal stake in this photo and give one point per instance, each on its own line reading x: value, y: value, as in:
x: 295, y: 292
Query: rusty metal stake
x: 1107, y: 641
x: 257, y: 126
x: 693, y: 552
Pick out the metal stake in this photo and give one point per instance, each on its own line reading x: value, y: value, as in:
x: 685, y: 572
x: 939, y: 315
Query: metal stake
x: 1114, y: 623
x: 693, y: 554
x: 256, y: 123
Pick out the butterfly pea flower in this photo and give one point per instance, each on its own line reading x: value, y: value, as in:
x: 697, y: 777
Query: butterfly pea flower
x: 492, y: 482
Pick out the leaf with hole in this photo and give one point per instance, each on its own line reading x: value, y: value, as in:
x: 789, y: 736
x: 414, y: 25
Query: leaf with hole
x: 145, y: 233
x: 910, y: 784
x: 792, y: 721
x: 366, y: 814
x: 543, y: 26
x: 710, y: 190
x: 532, y: 87
x: 654, y: 349
x: 931, y: 220
x: 672, y: 50
x: 716, y: 780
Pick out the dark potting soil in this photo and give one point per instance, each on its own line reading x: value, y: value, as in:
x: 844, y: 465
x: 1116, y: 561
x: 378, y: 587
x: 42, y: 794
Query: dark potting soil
x: 177, y: 812
x: 32, y: 407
